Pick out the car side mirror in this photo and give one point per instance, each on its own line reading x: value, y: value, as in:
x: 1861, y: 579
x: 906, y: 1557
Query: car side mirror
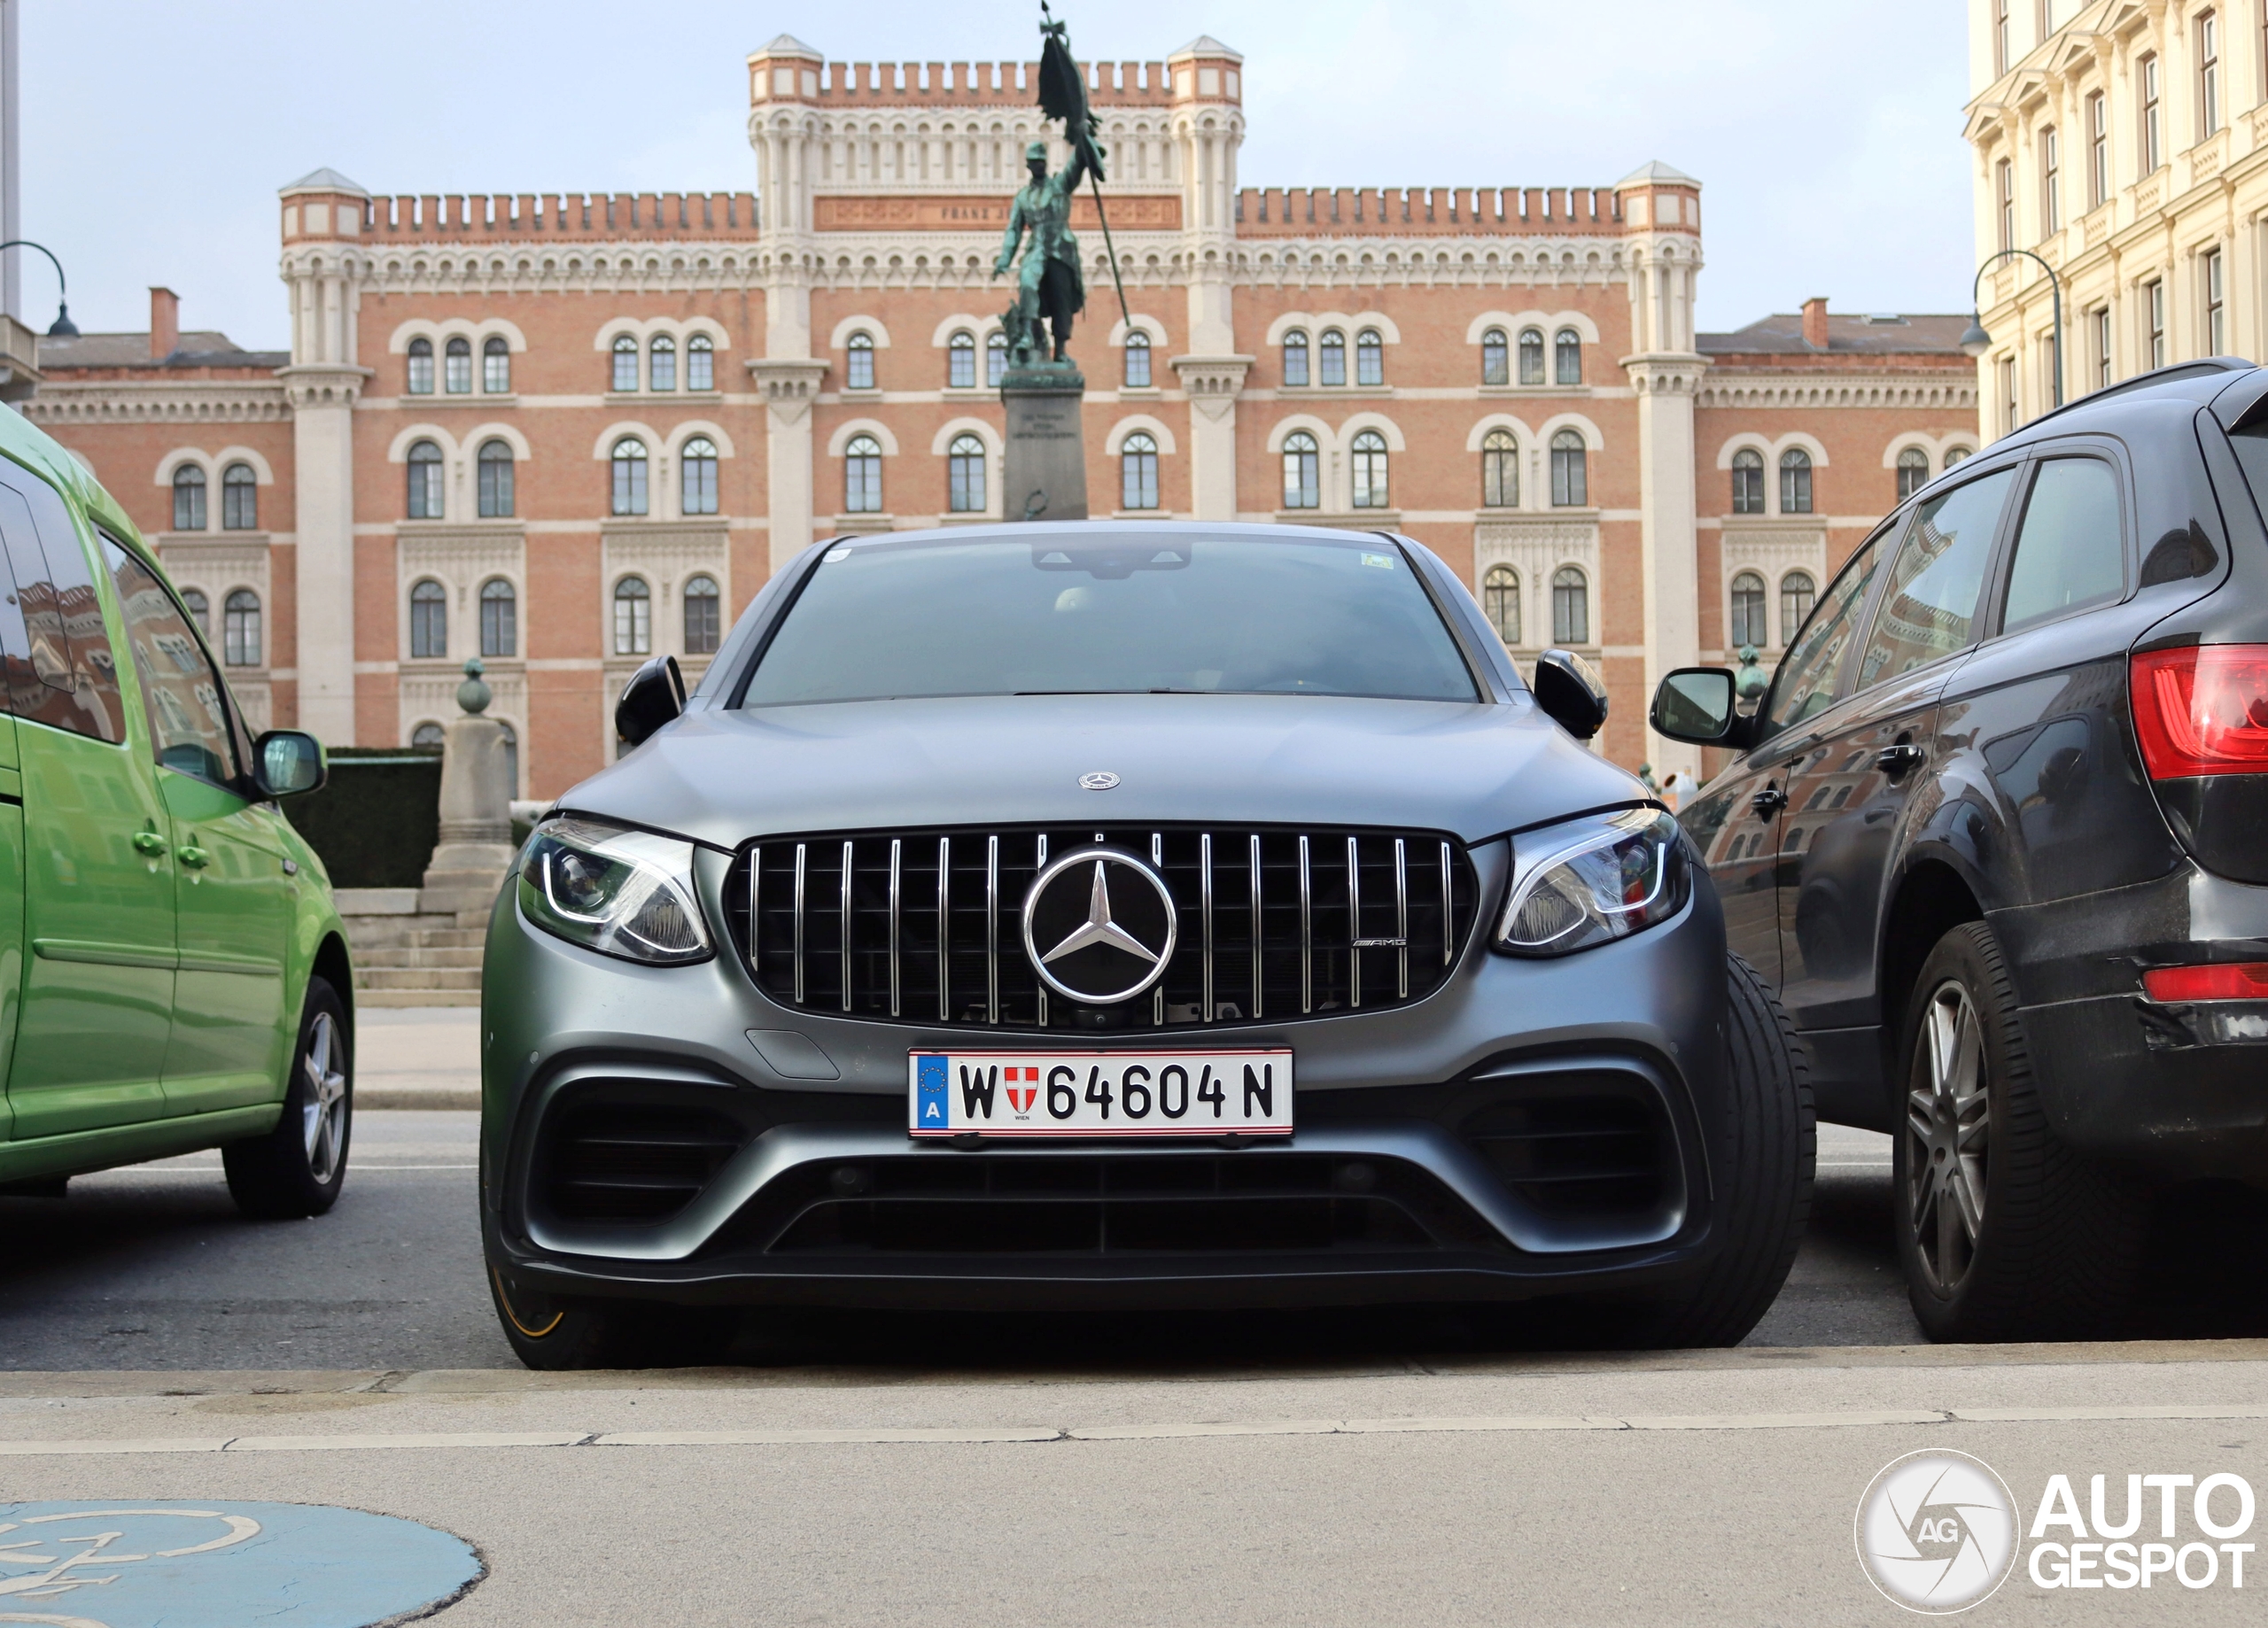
x: 1696, y: 705
x: 654, y: 694
x: 288, y: 762
x: 1569, y: 690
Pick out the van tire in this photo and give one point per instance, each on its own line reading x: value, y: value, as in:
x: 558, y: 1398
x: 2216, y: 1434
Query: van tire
x: 298, y: 1168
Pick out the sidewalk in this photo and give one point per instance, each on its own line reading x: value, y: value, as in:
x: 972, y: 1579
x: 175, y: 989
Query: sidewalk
x: 417, y: 1057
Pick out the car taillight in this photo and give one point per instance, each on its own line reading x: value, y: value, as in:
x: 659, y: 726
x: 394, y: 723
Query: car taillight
x: 2229, y: 981
x: 2203, y: 709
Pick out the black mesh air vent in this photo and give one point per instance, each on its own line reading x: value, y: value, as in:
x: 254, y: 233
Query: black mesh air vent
x: 633, y: 1164
x: 1591, y: 1155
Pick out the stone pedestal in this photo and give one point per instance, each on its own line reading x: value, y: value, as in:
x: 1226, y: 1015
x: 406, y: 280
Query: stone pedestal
x: 1046, y: 474
x: 476, y: 810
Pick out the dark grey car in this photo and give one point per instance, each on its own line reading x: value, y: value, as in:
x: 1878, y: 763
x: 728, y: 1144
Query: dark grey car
x: 1158, y: 915
x: 1998, y: 835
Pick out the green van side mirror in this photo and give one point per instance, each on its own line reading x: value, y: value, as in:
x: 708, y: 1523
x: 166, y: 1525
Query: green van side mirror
x: 288, y: 762
x: 1696, y: 705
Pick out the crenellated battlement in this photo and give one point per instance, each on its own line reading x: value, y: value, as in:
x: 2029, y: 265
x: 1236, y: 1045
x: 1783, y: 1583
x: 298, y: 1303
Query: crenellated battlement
x: 982, y: 84
x: 589, y: 216
x: 1432, y: 211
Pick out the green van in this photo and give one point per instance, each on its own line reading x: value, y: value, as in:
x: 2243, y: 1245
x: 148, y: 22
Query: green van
x: 172, y: 972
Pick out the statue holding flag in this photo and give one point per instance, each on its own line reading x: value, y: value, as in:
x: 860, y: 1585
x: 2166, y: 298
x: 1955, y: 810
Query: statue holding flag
x: 1051, y: 288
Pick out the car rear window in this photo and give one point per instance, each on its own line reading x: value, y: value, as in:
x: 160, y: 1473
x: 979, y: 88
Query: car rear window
x: 1111, y: 613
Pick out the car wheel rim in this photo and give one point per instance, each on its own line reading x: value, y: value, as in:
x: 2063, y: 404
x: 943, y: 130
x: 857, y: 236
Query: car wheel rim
x: 323, y: 1111
x: 1948, y: 1137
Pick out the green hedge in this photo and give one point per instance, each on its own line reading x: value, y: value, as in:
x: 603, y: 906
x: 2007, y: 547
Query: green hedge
x: 377, y: 821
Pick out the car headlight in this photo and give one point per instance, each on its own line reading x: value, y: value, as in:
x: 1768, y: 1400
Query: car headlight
x: 620, y: 892
x: 1593, y: 880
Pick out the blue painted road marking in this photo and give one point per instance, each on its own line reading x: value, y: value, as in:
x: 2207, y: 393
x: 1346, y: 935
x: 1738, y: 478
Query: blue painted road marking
x: 166, y: 1564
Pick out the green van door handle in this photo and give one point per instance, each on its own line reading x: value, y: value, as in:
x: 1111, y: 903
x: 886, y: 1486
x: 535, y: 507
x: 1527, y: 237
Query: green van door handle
x: 149, y: 842
x: 192, y: 856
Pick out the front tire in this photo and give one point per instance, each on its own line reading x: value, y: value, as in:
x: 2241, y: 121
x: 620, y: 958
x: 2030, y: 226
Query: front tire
x: 298, y: 1168
x: 2003, y: 1231
x: 549, y: 1333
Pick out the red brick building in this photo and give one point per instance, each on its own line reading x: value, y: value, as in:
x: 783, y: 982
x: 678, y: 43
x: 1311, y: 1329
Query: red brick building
x: 566, y: 432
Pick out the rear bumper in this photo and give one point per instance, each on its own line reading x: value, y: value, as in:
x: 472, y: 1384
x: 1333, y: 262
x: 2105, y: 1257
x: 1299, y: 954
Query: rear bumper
x: 1534, y: 1128
x: 2179, y: 1090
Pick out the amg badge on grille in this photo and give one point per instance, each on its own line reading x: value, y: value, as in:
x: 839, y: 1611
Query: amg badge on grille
x: 1078, y: 942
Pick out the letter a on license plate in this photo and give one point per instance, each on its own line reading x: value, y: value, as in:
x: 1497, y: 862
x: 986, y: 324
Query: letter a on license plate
x: 1245, y: 1093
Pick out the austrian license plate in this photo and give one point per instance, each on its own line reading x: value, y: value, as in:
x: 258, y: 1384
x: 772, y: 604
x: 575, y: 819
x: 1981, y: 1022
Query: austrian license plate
x: 1100, y: 1093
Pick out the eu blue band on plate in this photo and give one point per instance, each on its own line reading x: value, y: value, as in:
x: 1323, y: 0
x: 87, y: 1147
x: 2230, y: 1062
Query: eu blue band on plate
x: 929, y: 1097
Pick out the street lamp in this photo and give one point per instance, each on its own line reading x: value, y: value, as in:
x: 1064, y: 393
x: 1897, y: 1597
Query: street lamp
x: 65, y: 328
x: 1976, y: 341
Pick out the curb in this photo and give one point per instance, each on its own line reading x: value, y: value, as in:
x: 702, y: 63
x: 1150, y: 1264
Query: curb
x: 382, y: 1098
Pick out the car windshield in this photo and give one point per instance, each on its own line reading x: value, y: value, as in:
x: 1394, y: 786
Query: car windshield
x: 1111, y: 613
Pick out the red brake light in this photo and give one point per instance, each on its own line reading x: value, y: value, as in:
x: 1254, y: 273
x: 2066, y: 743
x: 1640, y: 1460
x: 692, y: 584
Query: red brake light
x: 2203, y: 709
x: 2241, y: 980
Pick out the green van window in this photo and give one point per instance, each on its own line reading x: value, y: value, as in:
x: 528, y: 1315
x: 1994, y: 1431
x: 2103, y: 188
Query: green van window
x: 181, y: 694
x: 74, y: 677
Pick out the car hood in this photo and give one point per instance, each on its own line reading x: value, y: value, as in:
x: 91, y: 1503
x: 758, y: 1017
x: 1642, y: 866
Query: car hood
x: 1472, y: 770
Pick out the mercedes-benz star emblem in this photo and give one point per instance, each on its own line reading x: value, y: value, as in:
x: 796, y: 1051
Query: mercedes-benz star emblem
x: 1101, y: 779
x: 1087, y: 947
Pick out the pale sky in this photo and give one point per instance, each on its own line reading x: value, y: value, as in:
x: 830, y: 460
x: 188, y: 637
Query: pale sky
x: 156, y: 131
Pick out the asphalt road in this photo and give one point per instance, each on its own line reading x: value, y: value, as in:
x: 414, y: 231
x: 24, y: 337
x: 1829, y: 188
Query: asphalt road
x: 1388, y: 1468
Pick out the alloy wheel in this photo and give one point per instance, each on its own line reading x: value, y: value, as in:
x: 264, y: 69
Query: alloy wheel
x: 323, y: 1107
x: 1948, y: 1137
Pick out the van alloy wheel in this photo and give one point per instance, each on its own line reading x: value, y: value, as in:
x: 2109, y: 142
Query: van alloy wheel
x: 323, y: 1113
x: 1948, y: 1130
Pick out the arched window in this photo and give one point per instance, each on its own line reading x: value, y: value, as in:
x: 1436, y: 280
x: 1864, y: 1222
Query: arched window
x: 200, y: 610
x: 862, y: 476
x: 1138, y: 361
x: 1496, y: 358
x: 629, y: 462
x: 1295, y: 357
x: 1368, y: 469
x: 965, y: 476
x: 428, y: 621
x: 1797, y: 595
x: 1748, y: 612
x: 1500, y: 596
x: 1500, y: 470
x: 702, y: 623
x: 239, y: 499
x: 662, y: 364
x: 1748, y: 482
x: 1571, y: 606
x: 701, y: 362
x: 1955, y: 454
x: 1912, y: 472
x: 1571, y: 486
x: 1531, y: 356
x: 634, y: 617
x: 696, y: 463
x: 421, y: 367
x: 495, y: 466
x: 858, y: 362
x: 429, y: 738
x: 240, y: 629
x: 499, y: 618
x: 425, y: 481
x: 1369, y: 358
x: 960, y: 361
x: 1302, y: 473
x: 996, y: 359
x: 1137, y: 467
x: 1332, y: 358
x: 495, y: 365
x: 1795, y: 482
x: 1567, y: 357
x: 189, y: 499
x: 456, y: 367
x: 626, y: 362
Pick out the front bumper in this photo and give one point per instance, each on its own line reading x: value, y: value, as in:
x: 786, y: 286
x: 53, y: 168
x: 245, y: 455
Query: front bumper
x: 1534, y: 1128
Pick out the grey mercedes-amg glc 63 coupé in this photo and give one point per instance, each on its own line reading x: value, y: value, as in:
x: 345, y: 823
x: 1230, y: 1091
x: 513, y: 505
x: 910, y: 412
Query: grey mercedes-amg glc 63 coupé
x: 1137, y: 915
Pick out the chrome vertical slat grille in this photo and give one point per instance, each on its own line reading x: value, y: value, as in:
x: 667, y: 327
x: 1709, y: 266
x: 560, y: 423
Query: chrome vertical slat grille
x: 1273, y: 920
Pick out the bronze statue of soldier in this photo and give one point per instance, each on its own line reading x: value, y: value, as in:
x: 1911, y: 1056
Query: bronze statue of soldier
x: 1050, y: 287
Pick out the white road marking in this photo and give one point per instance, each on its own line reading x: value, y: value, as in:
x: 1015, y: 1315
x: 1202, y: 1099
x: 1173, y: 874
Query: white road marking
x: 993, y: 1435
